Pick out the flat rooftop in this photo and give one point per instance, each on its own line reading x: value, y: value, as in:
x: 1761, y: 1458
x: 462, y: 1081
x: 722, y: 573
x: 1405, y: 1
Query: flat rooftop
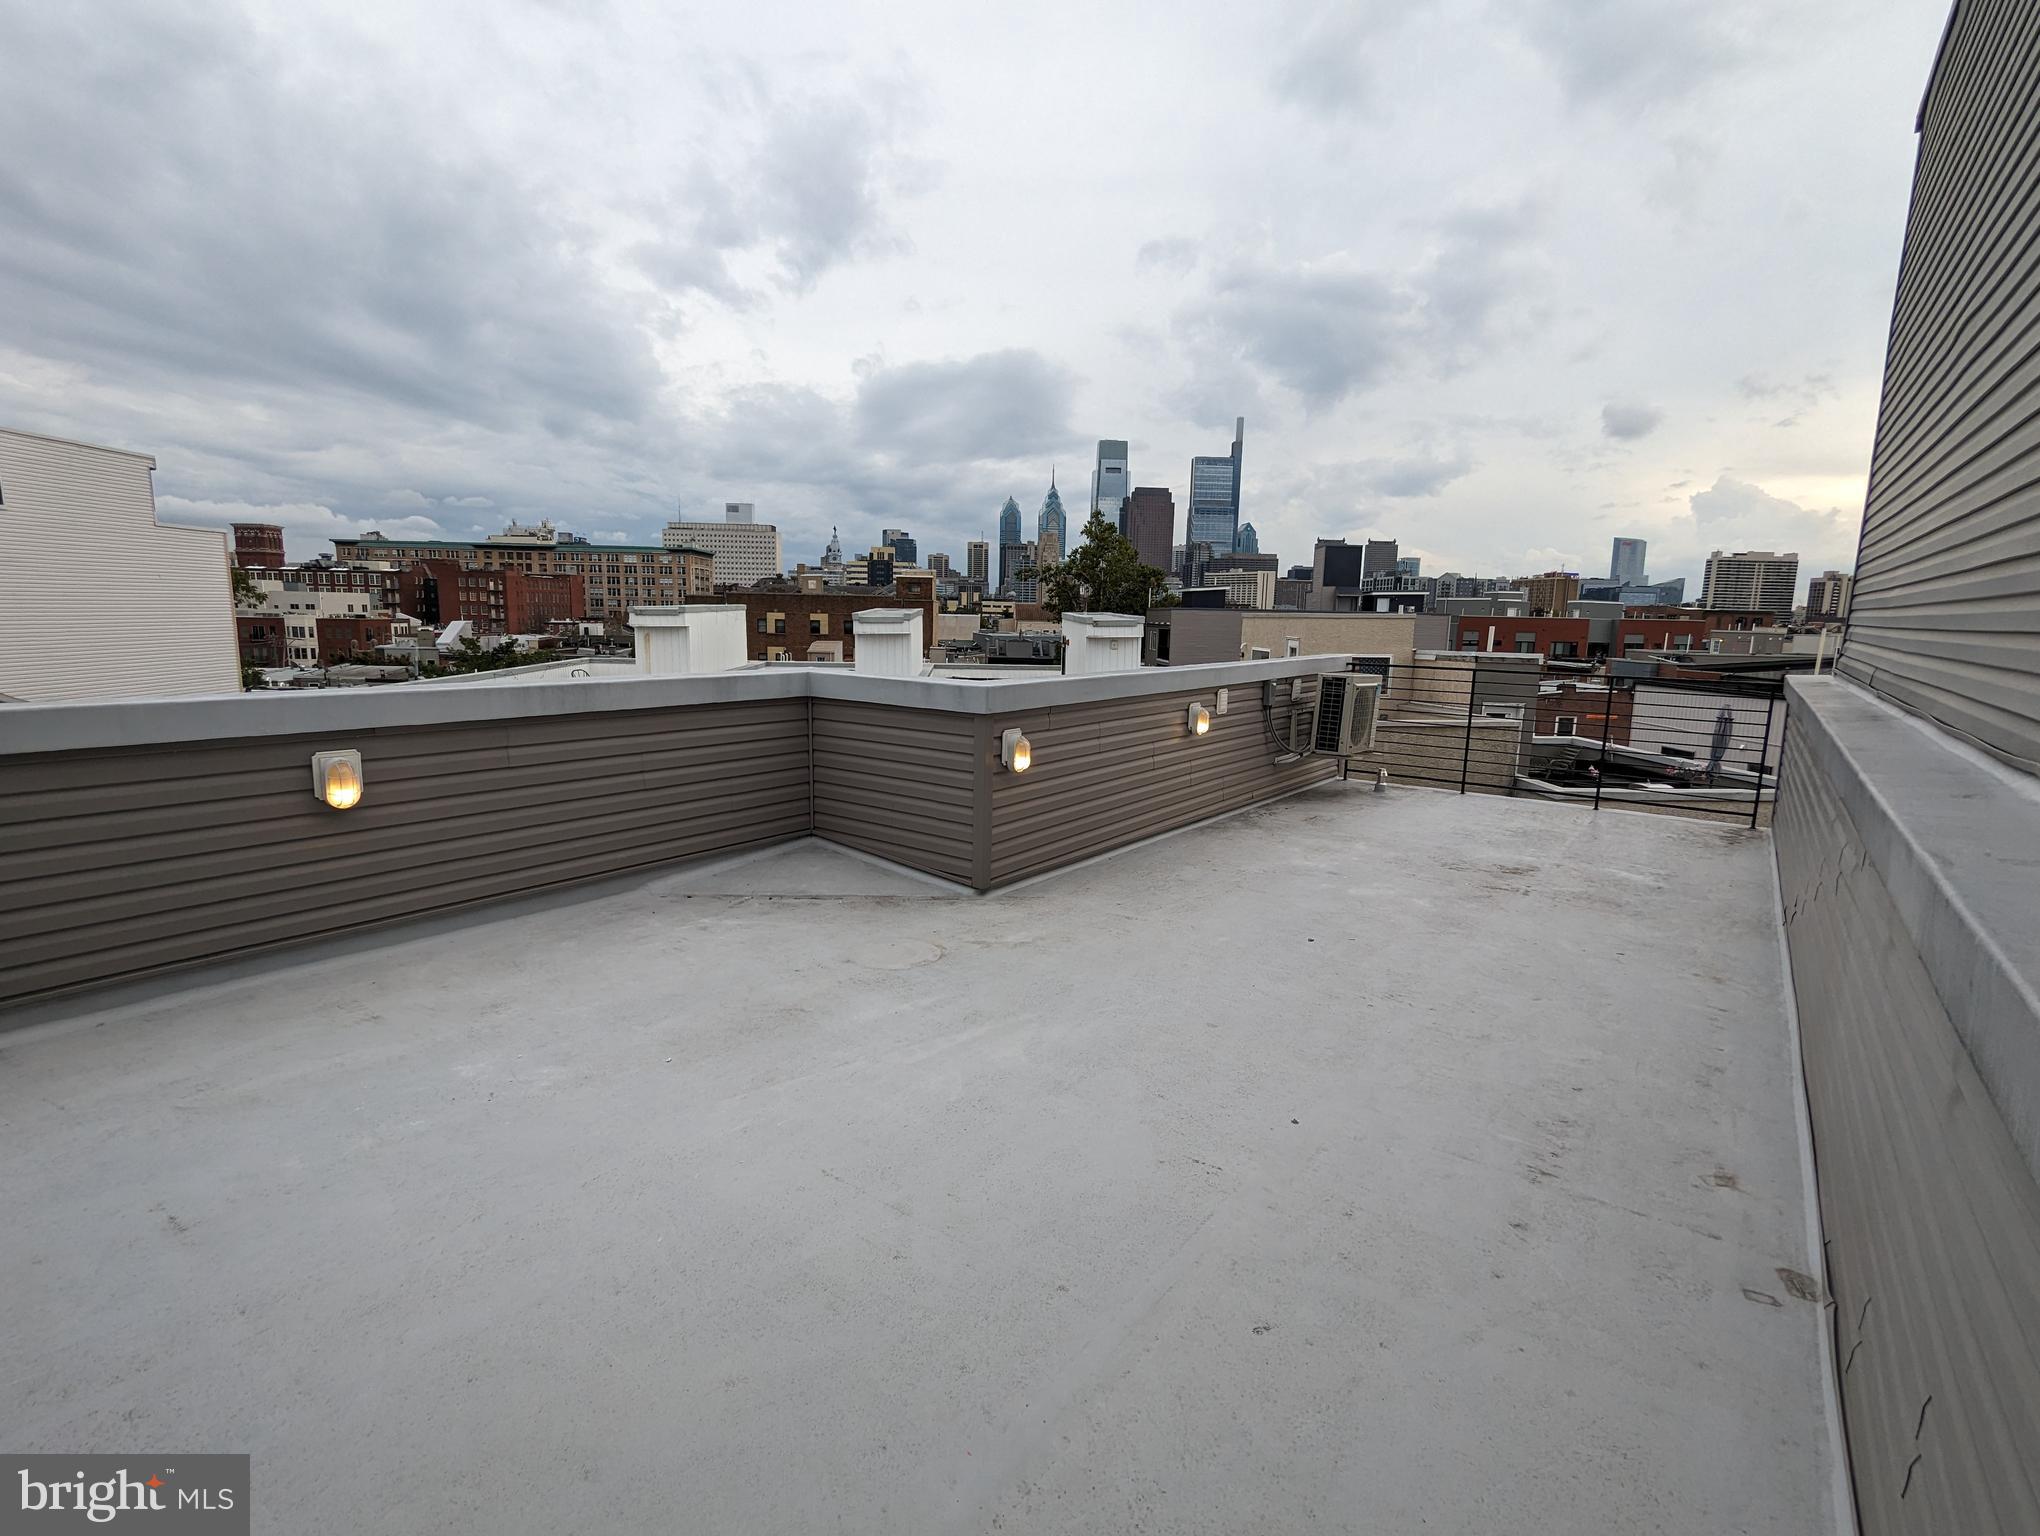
x: 1362, y: 1161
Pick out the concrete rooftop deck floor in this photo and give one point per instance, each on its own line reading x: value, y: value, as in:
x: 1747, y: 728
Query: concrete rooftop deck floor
x: 1363, y: 1162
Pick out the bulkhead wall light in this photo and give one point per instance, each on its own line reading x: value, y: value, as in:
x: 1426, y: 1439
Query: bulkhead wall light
x: 336, y: 778
x: 1198, y: 721
x: 1016, y: 751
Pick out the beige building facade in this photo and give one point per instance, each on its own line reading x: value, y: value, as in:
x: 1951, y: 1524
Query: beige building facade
x: 97, y: 598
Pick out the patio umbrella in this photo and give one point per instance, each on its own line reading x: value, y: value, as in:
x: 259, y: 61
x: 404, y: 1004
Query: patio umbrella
x: 1717, y: 746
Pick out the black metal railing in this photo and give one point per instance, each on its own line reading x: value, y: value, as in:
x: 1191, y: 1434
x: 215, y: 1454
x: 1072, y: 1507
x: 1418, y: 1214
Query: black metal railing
x: 1483, y: 723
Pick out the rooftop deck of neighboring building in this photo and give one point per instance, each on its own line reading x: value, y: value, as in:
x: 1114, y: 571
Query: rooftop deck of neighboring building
x: 1357, y: 1162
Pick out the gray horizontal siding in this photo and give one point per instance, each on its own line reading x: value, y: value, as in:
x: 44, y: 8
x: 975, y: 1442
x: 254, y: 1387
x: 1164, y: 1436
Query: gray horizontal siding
x: 1109, y: 774
x: 116, y: 864
x: 1945, y: 616
x: 899, y: 783
x: 1931, y: 1215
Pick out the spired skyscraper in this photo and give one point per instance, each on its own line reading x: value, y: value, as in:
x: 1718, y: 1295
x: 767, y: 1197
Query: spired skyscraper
x: 1214, y: 512
x: 1249, y: 540
x: 1052, y: 527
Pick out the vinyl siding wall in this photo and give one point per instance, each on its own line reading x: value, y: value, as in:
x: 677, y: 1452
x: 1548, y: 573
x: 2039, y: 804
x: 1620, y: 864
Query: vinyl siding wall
x: 118, y: 863
x: 899, y: 783
x: 1112, y: 773
x: 97, y: 600
x: 1946, y: 612
x: 1931, y: 1213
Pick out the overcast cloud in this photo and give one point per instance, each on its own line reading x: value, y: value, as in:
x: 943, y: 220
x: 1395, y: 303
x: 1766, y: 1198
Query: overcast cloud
x: 1500, y: 278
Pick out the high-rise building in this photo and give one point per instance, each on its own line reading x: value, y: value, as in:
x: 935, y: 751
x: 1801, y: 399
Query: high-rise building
x: 1214, y: 513
x: 1751, y: 579
x: 744, y: 551
x: 1052, y: 526
x: 1827, y: 595
x: 1379, y: 557
x: 738, y: 511
x: 1411, y: 566
x: 906, y: 550
x: 977, y: 561
x: 1151, y: 525
x: 1009, y: 537
x: 939, y: 564
x: 1109, y: 482
x: 258, y: 545
x: 1551, y: 593
x: 1021, y: 566
x: 1249, y: 540
x: 1626, y: 562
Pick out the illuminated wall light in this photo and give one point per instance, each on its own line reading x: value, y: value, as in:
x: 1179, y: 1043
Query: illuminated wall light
x: 336, y: 778
x: 1198, y: 720
x: 1016, y: 751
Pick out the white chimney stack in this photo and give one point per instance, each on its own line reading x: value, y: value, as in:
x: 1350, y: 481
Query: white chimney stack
x: 1101, y: 642
x: 889, y: 642
x: 684, y: 640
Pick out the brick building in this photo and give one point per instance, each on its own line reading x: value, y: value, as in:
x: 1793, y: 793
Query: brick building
x: 1716, y: 618
x: 439, y: 592
x: 804, y: 620
x: 496, y: 602
x: 615, y: 577
x: 1593, y: 710
x: 258, y: 545
x: 350, y: 638
x: 378, y: 582
x: 263, y: 639
x: 1637, y: 632
x: 1559, y: 639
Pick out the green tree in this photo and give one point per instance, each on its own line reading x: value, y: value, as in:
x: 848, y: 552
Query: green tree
x: 1103, y: 574
x: 246, y: 593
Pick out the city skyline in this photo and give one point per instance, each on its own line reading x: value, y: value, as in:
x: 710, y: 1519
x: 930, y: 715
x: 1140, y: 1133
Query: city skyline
x: 1533, y: 340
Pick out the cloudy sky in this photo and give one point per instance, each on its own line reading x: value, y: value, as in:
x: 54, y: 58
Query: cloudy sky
x: 1500, y: 278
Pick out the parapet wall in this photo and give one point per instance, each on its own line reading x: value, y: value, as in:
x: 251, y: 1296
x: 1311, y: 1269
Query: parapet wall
x: 140, y: 836
x: 1908, y: 865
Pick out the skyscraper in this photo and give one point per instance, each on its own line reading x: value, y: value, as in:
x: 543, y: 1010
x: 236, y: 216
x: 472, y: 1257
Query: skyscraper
x: 1026, y: 571
x: 1249, y: 540
x: 1410, y: 566
x: 906, y: 551
x: 1379, y: 558
x: 1214, y: 512
x: 1109, y: 482
x: 1753, y: 579
x: 1626, y: 565
x: 1151, y: 526
x: 977, y: 561
x: 1009, y: 538
x: 1827, y: 595
x: 1052, y: 527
